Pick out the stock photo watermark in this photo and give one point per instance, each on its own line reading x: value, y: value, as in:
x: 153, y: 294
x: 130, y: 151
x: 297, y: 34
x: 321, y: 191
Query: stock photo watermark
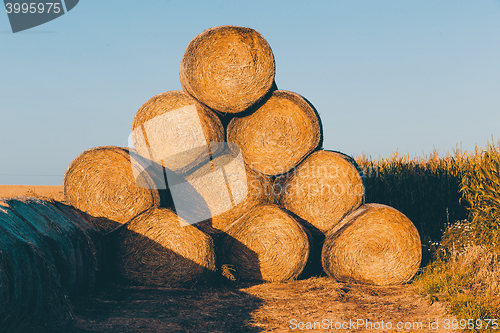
x: 29, y: 14
x: 366, y: 324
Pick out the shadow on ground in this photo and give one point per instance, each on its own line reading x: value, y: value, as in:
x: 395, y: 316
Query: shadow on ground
x: 139, y: 309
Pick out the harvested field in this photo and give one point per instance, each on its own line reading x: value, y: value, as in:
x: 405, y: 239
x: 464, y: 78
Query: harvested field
x: 54, y: 192
x: 253, y: 308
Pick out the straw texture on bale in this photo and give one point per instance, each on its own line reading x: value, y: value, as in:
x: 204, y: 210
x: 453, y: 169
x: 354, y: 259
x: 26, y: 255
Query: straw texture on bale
x: 375, y: 244
x: 112, y: 184
x: 158, y: 248
x: 228, y: 68
x: 324, y: 188
x: 266, y: 244
x: 174, y: 130
x: 221, y: 191
x: 44, y: 258
x: 278, y: 135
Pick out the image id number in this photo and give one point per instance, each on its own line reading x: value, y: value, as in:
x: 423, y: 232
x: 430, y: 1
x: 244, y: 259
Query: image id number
x: 32, y: 8
x: 471, y: 324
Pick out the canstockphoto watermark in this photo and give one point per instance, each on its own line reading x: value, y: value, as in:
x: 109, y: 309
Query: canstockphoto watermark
x: 25, y: 15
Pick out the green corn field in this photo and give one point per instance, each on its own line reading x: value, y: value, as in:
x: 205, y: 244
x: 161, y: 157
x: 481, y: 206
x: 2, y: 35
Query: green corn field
x: 454, y: 201
x: 427, y: 190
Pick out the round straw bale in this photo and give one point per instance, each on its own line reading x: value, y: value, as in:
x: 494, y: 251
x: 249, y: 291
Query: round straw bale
x: 324, y: 188
x: 174, y: 130
x: 31, y: 296
x: 266, y: 244
x: 71, y: 246
x: 110, y: 183
x: 158, y: 248
x: 375, y: 244
x: 228, y: 68
x: 221, y: 190
x: 278, y: 135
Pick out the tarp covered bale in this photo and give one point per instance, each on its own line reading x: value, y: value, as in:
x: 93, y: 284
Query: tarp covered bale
x: 266, y: 244
x: 228, y: 68
x: 375, y: 244
x: 158, y: 248
x: 96, y: 241
x: 324, y: 188
x: 31, y: 299
x: 48, y: 253
x: 175, y: 131
x: 69, y: 240
x: 111, y: 183
x: 278, y: 135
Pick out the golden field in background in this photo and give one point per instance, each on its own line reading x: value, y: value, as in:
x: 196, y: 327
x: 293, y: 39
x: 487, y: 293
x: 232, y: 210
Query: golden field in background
x: 54, y: 192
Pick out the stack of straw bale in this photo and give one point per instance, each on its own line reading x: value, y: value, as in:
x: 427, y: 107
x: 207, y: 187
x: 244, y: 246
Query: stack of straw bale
x: 230, y: 173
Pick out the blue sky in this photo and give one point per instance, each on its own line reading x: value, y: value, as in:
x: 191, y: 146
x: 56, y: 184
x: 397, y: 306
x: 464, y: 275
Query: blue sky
x: 410, y: 76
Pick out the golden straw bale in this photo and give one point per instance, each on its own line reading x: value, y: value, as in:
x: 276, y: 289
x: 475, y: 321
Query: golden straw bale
x: 174, y: 130
x: 228, y: 68
x: 278, y: 135
x: 375, y: 244
x: 266, y: 244
x: 110, y: 183
x: 158, y: 248
x: 220, y: 191
x: 324, y: 188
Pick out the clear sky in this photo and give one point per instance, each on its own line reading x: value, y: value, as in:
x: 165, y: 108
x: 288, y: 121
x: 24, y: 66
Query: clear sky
x: 385, y: 75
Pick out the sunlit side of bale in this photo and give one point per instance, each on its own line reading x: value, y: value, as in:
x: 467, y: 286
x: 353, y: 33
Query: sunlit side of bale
x: 375, y: 244
x: 110, y: 183
x: 324, y: 188
x: 228, y: 68
x: 278, y: 135
x: 266, y: 244
x: 174, y: 130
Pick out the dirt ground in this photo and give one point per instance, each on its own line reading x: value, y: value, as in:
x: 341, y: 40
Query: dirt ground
x: 317, y: 304
x: 54, y: 192
x: 270, y: 307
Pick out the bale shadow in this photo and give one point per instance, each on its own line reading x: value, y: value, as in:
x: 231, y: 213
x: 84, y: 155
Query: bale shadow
x: 136, y: 309
x: 314, y: 267
x: 198, y: 305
